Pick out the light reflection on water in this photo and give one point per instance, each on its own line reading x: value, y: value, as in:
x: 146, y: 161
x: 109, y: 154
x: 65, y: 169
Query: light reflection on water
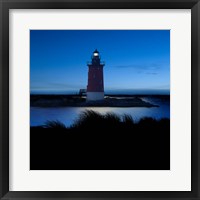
x: 67, y: 115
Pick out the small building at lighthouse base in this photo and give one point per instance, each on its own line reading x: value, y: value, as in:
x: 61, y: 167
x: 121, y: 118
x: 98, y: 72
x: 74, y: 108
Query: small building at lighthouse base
x: 95, y: 96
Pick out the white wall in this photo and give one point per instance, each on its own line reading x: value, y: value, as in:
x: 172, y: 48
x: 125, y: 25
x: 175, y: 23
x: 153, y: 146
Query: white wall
x: 94, y: 96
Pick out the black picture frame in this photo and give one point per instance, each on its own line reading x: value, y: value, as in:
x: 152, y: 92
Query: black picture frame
x: 5, y: 5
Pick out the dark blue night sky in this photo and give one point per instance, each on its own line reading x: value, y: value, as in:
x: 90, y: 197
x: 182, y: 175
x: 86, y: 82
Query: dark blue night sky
x: 136, y: 61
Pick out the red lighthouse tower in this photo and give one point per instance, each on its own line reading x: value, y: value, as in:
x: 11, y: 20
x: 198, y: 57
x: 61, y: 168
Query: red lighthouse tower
x: 95, y: 87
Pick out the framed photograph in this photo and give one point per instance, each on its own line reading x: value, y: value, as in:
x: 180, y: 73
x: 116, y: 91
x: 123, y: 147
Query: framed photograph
x: 99, y: 99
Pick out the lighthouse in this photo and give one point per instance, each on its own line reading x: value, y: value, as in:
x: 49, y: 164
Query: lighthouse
x: 95, y: 87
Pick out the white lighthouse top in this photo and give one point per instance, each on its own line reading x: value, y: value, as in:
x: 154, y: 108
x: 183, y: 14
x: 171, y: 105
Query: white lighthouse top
x: 95, y: 60
x: 96, y: 53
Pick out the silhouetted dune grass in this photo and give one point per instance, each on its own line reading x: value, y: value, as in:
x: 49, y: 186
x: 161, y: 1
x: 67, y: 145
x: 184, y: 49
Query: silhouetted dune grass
x: 97, y: 141
x: 54, y: 124
x: 89, y: 118
x: 127, y: 119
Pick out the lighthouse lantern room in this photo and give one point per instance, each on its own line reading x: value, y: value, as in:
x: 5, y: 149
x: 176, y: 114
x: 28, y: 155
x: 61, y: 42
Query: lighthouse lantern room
x: 95, y: 87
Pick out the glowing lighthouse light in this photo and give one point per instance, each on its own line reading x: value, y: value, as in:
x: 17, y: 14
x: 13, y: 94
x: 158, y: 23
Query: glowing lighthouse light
x: 95, y: 87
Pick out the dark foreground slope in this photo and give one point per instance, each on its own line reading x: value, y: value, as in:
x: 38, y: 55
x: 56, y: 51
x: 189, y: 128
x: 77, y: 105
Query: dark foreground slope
x: 97, y: 142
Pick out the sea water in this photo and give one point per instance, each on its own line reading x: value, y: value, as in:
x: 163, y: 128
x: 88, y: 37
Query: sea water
x: 67, y: 115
